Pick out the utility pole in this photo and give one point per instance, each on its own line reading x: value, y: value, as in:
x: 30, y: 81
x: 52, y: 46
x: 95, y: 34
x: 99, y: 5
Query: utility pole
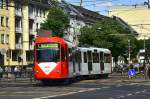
x: 129, y: 46
x: 81, y: 3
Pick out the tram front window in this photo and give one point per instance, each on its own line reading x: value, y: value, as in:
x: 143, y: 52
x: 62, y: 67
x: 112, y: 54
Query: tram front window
x: 47, y: 53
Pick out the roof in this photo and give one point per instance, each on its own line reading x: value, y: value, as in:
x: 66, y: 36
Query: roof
x: 89, y: 15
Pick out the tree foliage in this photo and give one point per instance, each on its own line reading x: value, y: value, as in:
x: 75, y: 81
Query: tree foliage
x: 108, y: 33
x: 57, y: 21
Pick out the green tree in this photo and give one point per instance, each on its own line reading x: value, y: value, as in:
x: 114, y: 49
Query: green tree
x: 57, y: 21
x: 108, y: 33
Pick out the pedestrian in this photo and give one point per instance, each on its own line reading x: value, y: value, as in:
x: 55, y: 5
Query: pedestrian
x: 6, y: 71
x: 16, y: 72
x: 1, y: 73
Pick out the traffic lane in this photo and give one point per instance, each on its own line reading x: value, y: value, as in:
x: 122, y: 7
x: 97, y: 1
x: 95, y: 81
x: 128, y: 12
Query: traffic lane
x: 30, y: 91
x: 114, y: 92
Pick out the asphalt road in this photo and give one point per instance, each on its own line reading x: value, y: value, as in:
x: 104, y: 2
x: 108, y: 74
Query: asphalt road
x: 114, y: 87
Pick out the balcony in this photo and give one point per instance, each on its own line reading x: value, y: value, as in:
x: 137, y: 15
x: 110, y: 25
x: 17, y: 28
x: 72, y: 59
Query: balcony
x: 18, y: 12
x: 31, y: 31
x: 18, y: 46
x: 31, y: 46
x: 31, y: 16
x: 18, y: 30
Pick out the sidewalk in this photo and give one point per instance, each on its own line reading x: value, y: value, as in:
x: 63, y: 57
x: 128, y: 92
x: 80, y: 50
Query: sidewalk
x: 11, y: 78
x: 125, y: 78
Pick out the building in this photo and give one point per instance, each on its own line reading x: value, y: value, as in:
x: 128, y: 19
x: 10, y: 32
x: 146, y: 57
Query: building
x: 137, y: 17
x: 4, y: 30
x: 79, y: 17
x: 19, y: 24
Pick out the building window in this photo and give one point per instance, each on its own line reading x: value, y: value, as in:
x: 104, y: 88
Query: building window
x: 29, y: 55
x: 14, y: 55
x: 7, y: 39
x: 2, y: 39
x: 2, y: 21
x: 44, y: 14
x: 37, y: 25
x: 7, y: 20
x: 1, y: 4
x: 6, y: 4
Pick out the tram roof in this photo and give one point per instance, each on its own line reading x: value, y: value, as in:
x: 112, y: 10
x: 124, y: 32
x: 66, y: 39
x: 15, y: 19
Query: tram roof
x: 105, y: 50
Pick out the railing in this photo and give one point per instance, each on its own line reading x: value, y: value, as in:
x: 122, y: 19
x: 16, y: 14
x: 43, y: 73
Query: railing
x: 18, y: 12
x: 18, y: 30
x: 18, y: 46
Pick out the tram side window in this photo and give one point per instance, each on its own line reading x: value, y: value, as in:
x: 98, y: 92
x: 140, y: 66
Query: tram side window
x: 85, y: 57
x: 107, y: 58
x: 78, y: 56
x: 62, y: 54
x: 95, y: 57
x: 101, y: 55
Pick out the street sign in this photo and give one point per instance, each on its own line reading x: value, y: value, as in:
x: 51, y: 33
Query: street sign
x: 131, y: 72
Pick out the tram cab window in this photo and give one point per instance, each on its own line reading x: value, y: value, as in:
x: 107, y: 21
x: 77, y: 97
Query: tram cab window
x: 62, y: 54
x: 107, y: 58
x: 85, y: 57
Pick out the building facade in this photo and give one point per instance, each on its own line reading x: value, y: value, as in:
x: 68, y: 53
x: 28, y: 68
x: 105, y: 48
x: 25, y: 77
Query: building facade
x: 18, y: 29
x: 4, y: 30
x: 79, y: 17
x: 135, y: 16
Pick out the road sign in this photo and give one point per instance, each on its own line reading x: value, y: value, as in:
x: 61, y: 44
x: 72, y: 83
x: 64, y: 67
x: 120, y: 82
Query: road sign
x: 131, y: 72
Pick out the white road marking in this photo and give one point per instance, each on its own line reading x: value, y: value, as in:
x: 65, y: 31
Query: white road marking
x: 122, y: 96
x: 130, y: 94
x: 119, y: 85
x: 137, y: 92
x: 105, y: 87
x: 70, y: 93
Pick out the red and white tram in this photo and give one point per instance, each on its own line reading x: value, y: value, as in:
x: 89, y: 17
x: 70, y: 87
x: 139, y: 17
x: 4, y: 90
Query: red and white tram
x: 55, y: 59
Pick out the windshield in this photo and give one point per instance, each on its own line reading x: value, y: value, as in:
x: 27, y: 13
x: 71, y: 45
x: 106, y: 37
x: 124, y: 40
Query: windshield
x: 47, y: 52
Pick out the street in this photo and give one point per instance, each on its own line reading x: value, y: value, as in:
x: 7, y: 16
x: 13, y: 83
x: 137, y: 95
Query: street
x: 115, y: 87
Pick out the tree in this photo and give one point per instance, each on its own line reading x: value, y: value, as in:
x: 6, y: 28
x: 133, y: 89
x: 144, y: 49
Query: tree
x: 108, y: 33
x: 57, y: 21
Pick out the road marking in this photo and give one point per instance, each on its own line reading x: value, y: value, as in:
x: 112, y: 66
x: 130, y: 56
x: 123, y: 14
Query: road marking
x: 111, y: 98
x: 137, y: 92
x: 105, y: 87
x: 130, y: 94
x: 122, y: 96
x: 70, y: 93
x: 119, y: 85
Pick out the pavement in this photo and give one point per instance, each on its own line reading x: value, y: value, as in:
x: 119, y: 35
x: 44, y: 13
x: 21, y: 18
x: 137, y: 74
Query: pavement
x: 125, y: 78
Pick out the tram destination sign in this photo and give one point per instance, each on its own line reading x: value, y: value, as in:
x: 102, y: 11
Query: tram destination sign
x: 46, y: 46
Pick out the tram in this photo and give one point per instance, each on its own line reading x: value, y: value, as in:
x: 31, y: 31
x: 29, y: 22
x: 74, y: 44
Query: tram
x: 56, y: 59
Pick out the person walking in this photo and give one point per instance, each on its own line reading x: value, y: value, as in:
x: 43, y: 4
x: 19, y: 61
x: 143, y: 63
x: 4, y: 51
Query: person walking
x: 16, y: 72
x: 1, y: 73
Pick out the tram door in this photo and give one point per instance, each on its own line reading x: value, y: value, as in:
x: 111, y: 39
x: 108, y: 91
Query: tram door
x: 101, y: 61
x: 89, y: 53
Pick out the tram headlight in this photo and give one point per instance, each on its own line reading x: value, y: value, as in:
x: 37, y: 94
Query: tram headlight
x: 58, y: 71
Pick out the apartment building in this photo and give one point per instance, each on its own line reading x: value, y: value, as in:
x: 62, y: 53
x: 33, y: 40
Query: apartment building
x: 4, y: 30
x: 136, y: 16
x: 18, y: 29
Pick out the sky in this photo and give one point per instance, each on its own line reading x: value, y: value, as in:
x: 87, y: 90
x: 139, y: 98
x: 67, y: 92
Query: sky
x: 102, y: 6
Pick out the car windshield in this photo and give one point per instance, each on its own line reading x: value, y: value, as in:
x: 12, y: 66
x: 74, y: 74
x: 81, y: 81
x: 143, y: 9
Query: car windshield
x: 47, y: 53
